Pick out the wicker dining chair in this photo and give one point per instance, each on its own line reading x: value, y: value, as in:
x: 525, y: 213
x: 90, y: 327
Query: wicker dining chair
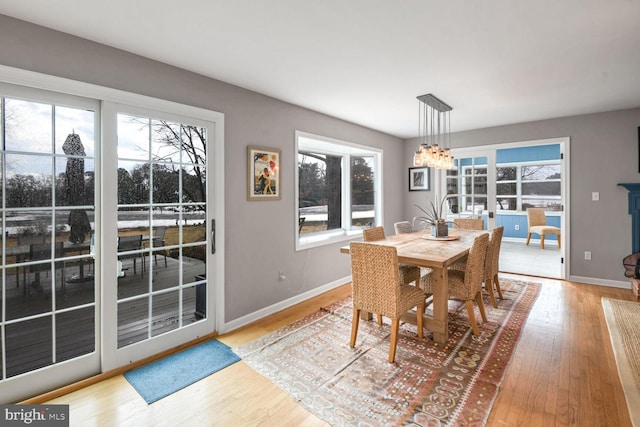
x: 467, y: 224
x: 537, y: 224
x: 403, y: 227
x: 408, y: 273
x: 467, y: 285
x: 406, y: 227
x: 376, y: 288
x: 492, y: 264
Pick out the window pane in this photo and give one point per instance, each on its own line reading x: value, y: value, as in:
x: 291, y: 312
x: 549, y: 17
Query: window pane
x: 28, y: 180
x: 541, y: 188
x: 452, y: 186
x: 509, y: 189
x: 75, y: 181
x: 547, y: 204
x: 453, y: 204
x: 28, y: 126
x: 480, y: 185
x: 133, y: 182
x: 506, y: 173
x: 75, y: 121
x: 320, y: 191
x: 133, y: 137
x: 28, y: 345
x: 541, y: 172
x: 165, y: 184
x: 194, y: 184
x: 163, y: 141
x: 362, y: 191
x: 506, y: 203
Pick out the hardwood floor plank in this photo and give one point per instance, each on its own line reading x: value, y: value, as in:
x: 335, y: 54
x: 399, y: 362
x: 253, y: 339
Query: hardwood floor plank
x: 562, y: 373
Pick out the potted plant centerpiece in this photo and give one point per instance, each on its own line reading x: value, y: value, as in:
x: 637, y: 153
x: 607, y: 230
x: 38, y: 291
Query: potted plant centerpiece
x: 434, y: 217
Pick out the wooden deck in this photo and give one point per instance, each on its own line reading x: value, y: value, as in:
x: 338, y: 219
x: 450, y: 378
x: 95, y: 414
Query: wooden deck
x: 29, y: 344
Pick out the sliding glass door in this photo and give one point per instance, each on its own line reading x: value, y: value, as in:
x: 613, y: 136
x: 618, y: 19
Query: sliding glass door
x: 108, y: 251
x: 48, y: 301
x: 162, y: 238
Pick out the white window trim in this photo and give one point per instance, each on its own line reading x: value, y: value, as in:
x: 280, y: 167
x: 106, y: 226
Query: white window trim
x: 336, y: 146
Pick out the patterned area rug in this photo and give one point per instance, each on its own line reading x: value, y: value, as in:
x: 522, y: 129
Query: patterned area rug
x: 622, y: 319
x: 429, y: 384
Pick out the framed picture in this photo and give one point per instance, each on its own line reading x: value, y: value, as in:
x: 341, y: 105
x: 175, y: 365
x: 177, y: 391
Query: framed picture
x: 263, y: 182
x: 419, y: 179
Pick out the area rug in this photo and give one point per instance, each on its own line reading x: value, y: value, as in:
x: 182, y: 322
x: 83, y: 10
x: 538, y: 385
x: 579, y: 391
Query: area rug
x: 429, y: 384
x: 623, y: 318
x: 170, y: 374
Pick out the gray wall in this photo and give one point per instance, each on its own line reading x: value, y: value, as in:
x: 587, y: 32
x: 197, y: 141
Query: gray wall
x: 259, y: 235
x: 603, y: 153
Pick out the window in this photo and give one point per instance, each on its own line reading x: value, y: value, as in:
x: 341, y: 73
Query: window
x: 467, y: 186
x: 521, y: 186
x: 339, y: 189
x: 47, y: 213
x: 161, y: 225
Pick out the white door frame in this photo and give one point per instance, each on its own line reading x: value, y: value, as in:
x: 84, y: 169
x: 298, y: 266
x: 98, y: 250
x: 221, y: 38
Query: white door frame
x: 490, y: 150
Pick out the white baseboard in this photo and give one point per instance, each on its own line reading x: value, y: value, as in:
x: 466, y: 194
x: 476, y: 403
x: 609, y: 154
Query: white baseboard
x: 257, y: 315
x: 601, y: 282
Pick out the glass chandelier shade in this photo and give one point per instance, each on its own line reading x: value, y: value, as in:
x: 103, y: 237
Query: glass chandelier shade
x: 434, y: 129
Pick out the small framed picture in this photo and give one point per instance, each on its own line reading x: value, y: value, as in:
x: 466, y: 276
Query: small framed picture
x: 419, y: 179
x: 263, y: 182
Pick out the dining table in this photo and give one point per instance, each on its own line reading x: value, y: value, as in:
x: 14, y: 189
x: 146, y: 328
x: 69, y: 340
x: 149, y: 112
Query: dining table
x: 422, y: 250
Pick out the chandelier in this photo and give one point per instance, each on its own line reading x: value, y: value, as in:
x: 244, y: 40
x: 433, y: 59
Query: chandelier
x: 434, y: 129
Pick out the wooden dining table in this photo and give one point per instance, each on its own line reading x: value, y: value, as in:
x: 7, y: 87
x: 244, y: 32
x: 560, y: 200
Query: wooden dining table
x: 437, y: 254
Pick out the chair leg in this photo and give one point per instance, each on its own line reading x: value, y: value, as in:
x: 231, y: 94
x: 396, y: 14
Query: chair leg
x: 420, y: 320
x: 558, y: 241
x: 542, y: 241
x: 379, y: 316
x: 496, y: 282
x: 354, y: 326
x: 489, y: 287
x: 481, y: 306
x: 395, y: 326
x: 528, y: 238
x: 472, y: 317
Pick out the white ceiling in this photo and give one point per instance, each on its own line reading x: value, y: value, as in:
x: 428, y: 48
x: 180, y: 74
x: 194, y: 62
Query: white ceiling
x: 495, y: 62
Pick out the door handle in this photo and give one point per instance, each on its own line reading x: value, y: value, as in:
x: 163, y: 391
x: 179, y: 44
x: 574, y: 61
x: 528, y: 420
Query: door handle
x: 213, y: 236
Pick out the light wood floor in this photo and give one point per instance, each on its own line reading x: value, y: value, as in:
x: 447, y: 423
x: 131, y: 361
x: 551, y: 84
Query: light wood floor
x: 563, y: 373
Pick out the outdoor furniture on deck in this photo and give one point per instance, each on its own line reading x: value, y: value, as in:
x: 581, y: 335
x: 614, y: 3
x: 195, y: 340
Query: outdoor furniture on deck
x: 42, y: 252
x: 128, y: 244
x: 158, y: 242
